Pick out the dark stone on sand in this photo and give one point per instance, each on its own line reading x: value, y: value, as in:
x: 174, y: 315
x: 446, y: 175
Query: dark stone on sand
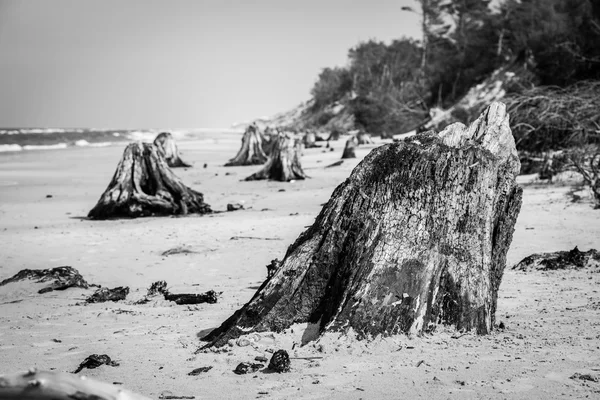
x: 199, y: 371
x: 280, y: 361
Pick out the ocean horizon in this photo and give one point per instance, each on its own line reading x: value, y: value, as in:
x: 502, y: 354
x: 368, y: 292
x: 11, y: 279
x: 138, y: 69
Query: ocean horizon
x: 20, y: 139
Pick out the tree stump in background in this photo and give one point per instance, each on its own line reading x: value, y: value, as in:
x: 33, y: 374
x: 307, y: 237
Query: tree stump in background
x: 350, y: 148
x: 252, y: 151
x: 364, y: 138
x: 284, y: 163
x: 416, y: 236
x: 310, y: 140
x: 168, y: 149
x: 144, y: 185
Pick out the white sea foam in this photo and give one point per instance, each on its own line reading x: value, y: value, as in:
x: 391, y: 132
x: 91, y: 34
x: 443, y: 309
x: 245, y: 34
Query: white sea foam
x: 45, y: 146
x: 85, y: 143
x: 9, y: 147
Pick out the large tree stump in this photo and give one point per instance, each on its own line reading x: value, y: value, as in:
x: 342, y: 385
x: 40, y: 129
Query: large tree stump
x: 416, y: 236
x: 168, y: 149
x: 144, y: 185
x: 252, y: 150
x: 350, y: 148
x: 284, y: 163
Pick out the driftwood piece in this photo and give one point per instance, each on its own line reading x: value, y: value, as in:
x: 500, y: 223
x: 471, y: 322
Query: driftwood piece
x: 350, y: 148
x: 96, y: 360
x: 284, y: 163
x: 210, y: 297
x: 45, y: 385
x: 251, y: 152
x: 247, y: 368
x: 160, y: 288
x: 571, y: 259
x: 416, y: 236
x: 105, y: 294
x: 144, y: 185
x: 168, y: 149
x: 62, y: 277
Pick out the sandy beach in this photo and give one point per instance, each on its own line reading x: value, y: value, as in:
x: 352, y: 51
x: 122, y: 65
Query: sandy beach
x: 551, y: 318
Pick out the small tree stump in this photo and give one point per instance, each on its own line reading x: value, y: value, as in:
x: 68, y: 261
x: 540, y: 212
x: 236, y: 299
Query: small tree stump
x: 284, y: 163
x: 416, y: 236
x: 144, y: 185
x: 350, y: 148
x: 252, y: 151
x: 310, y: 140
x: 364, y: 138
x: 168, y: 149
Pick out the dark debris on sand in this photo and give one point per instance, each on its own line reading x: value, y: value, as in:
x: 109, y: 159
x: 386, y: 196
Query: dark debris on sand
x: 572, y: 259
x: 94, y: 361
x: 160, y: 288
x: 63, y: 278
x: 247, y: 368
x: 199, y: 371
x: 280, y: 361
x: 105, y: 294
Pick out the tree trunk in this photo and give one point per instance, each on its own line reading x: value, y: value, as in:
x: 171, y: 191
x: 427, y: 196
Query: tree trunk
x: 168, y: 149
x: 284, y: 162
x: 350, y: 149
x: 252, y: 151
x: 35, y: 384
x: 416, y: 236
x: 144, y: 185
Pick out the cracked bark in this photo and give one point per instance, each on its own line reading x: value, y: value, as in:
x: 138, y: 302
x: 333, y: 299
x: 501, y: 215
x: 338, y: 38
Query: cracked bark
x: 144, y: 185
x: 284, y: 162
x: 168, y: 149
x: 416, y: 236
x: 252, y: 150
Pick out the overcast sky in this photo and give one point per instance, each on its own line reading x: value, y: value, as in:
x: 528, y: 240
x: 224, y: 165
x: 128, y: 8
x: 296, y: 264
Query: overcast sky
x: 175, y: 63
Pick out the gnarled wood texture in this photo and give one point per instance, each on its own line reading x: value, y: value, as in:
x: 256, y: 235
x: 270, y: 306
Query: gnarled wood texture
x: 168, y: 149
x: 416, y: 236
x: 144, y: 185
x: 350, y: 148
x: 284, y: 163
x: 46, y: 385
x: 252, y: 150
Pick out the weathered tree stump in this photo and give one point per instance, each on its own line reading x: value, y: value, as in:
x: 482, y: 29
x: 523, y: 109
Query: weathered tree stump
x: 350, y: 148
x: 252, y: 151
x: 416, y: 236
x: 310, y: 140
x: 144, y: 185
x: 364, y: 138
x: 35, y: 384
x: 168, y: 149
x: 284, y: 163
